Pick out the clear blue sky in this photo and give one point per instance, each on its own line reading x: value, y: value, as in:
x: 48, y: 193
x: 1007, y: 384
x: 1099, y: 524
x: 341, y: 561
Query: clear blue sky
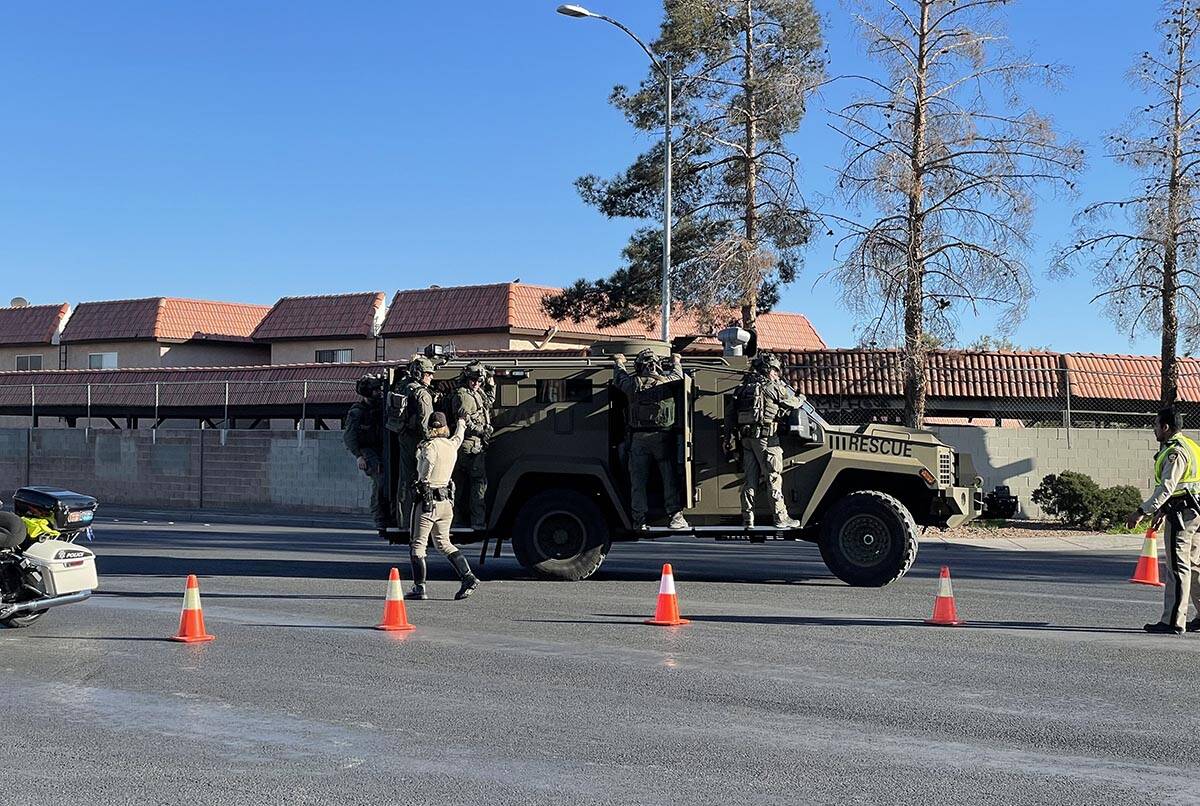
x: 249, y: 150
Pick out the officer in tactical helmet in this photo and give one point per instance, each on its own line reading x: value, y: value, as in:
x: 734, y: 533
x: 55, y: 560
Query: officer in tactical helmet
x: 365, y: 437
x: 753, y: 424
x: 472, y: 402
x: 433, y: 511
x: 414, y: 428
x: 650, y: 415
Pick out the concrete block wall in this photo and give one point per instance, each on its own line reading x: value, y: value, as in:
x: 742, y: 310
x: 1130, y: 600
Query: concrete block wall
x: 311, y: 471
x: 268, y: 471
x: 1022, y: 457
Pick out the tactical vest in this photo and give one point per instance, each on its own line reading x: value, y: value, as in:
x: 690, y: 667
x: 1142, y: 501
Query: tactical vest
x: 653, y: 407
x: 751, y: 404
x: 1191, y: 453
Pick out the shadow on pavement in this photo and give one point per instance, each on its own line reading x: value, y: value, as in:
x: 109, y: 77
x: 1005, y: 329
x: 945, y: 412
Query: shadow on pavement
x: 773, y: 563
x: 850, y: 621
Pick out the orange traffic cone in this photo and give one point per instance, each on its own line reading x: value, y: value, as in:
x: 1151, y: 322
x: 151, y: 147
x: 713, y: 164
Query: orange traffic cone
x: 191, y: 621
x: 667, y: 612
x: 395, y: 616
x: 1146, y: 572
x: 944, y: 612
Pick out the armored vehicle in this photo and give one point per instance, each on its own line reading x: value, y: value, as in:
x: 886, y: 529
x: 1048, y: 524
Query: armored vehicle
x: 559, y: 484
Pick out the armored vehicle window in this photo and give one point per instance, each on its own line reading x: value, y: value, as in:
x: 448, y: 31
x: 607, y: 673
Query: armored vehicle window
x: 509, y: 395
x: 564, y: 390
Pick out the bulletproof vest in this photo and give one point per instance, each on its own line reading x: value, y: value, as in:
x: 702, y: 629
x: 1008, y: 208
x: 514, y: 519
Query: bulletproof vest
x: 368, y: 427
x: 653, y: 404
x: 752, y: 404
x: 411, y: 410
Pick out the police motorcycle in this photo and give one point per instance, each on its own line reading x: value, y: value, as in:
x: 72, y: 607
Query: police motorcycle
x: 40, y: 565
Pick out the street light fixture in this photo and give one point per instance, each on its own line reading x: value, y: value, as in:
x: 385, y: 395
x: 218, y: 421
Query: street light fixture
x: 663, y: 66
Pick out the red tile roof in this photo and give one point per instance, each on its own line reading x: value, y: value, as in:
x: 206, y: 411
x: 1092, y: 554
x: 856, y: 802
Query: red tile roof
x: 35, y: 324
x: 518, y: 306
x: 952, y: 374
x: 1128, y: 377
x: 322, y: 317
x: 163, y: 319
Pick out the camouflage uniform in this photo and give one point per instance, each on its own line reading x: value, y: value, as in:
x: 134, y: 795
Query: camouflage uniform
x: 759, y: 402
x: 650, y: 416
x: 473, y: 406
x: 365, y: 437
x: 413, y: 431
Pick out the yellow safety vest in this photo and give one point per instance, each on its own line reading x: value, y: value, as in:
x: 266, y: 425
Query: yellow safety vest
x: 36, y: 527
x: 1191, y: 454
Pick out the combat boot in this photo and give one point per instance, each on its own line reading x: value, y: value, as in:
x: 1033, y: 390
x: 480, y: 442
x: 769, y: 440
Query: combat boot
x: 418, y: 589
x: 679, y: 522
x: 1194, y: 625
x: 747, y: 520
x: 469, y: 581
x: 1162, y: 628
x: 785, y: 521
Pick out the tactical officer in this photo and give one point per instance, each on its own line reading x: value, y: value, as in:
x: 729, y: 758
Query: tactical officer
x: 366, y: 438
x: 753, y: 423
x: 650, y: 415
x: 414, y: 428
x: 472, y: 403
x: 1174, y: 500
x: 433, y: 511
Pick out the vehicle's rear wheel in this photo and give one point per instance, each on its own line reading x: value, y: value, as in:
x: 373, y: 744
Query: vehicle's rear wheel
x: 34, y: 580
x: 560, y: 534
x: 868, y: 539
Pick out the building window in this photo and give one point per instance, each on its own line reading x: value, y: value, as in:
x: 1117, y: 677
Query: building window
x: 28, y: 362
x: 335, y: 356
x: 102, y: 360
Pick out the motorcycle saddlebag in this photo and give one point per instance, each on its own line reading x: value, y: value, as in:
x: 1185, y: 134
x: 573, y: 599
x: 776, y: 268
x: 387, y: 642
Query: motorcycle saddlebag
x: 66, y: 511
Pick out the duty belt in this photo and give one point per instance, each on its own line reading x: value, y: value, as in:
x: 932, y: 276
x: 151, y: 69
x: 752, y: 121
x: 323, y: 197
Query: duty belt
x: 440, y: 493
x: 758, y: 431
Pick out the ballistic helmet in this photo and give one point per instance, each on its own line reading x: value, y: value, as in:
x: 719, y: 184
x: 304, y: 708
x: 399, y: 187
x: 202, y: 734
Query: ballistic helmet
x: 420, y: 365
x: 646, y: 358
x: 476, y: 370
x: 369, y: 385
x: 763, y: 363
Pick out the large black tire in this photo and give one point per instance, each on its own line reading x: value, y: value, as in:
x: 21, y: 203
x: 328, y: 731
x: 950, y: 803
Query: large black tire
x: 868, y: 539
x: 560, y: 534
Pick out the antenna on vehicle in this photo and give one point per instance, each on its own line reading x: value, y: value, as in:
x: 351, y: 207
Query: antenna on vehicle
x: 19, y: 302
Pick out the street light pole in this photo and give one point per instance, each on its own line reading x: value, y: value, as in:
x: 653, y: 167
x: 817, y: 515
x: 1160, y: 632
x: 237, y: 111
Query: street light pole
x: 666, y: 247
x: 664, y: 69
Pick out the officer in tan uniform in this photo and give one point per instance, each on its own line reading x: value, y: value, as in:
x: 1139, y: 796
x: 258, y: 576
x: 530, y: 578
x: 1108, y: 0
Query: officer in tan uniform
x: 650, y: 415
x: 472, y: 404
x: 433, y: 508
x: 753, y: 425
x: 1174, y: 501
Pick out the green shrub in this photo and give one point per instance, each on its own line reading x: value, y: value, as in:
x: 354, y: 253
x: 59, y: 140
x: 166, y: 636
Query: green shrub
x: 1076, y: 500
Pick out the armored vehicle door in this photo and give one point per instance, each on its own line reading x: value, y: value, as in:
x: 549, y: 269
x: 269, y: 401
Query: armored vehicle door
x: 684, y: 404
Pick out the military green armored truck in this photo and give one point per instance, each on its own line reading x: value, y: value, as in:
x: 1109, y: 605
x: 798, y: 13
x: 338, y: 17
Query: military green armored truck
x: 558, y: 484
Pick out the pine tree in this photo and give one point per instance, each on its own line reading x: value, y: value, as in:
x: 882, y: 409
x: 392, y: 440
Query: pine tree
x: 744, y: 69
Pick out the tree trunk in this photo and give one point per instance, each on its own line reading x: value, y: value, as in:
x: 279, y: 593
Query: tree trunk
x: 1169, y: 387
x: 915, y: 349
x: 750, y: 306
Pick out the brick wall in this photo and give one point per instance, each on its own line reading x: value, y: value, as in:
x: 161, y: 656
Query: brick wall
x: 248, y: 470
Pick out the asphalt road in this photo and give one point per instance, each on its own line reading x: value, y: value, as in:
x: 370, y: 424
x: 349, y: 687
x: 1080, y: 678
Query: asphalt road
x: 787, y: 687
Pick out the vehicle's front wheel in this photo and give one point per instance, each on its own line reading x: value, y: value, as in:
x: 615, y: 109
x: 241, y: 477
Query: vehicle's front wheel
x: 560, y: 534
x: 868, y: 539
